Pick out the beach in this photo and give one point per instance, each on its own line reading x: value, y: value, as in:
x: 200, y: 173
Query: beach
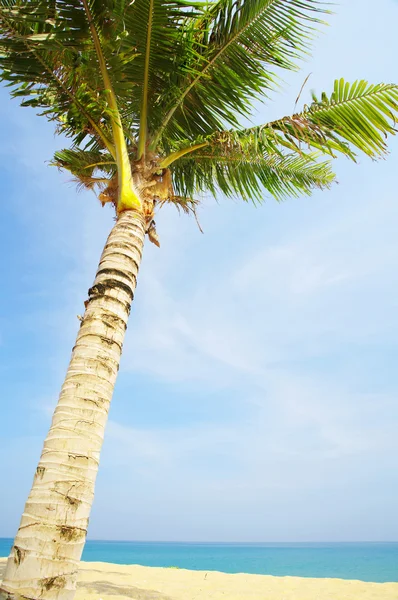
x: 107, y: 581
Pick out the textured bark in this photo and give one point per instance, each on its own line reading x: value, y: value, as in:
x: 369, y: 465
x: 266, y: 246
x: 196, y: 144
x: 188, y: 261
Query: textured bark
x: 44, y: 560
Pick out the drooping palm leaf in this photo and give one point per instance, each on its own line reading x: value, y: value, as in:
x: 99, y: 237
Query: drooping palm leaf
x: 39, y: 59
x: 247, y: 177
x: 84, y: 163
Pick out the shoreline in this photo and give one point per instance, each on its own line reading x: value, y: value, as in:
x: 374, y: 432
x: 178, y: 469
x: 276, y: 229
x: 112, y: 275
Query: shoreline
x: 102, y: 581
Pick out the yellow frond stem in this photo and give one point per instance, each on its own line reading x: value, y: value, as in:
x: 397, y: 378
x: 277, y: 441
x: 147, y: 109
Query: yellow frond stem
x: 127, y: 200
x: 127, y: 197
x: 176, y: 155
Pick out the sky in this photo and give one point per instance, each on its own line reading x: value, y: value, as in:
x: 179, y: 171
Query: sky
x: 257, y: 395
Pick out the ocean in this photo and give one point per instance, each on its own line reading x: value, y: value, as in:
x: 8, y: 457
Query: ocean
x: 376, y: 562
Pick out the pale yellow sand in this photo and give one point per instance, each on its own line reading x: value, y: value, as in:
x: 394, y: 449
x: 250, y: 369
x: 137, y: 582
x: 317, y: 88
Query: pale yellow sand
x: 116, y: 582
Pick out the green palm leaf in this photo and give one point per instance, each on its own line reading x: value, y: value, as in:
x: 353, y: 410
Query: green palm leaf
x: 84, y: 163
x: 155, y: 29
x: 41, y: 66
x: 358, y: 115
x: 247, y: 177
x: 233, y: 47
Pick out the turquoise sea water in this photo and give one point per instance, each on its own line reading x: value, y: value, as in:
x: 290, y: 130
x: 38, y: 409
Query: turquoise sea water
x: 368, y: 562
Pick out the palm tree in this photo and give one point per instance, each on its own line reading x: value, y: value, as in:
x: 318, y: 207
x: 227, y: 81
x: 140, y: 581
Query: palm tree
x: 150, y: 93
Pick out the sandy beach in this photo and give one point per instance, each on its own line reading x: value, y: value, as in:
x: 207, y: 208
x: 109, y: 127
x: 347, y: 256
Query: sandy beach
x: 132, y: 582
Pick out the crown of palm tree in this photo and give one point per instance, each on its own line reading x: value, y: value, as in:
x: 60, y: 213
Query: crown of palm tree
x: 162, y: 83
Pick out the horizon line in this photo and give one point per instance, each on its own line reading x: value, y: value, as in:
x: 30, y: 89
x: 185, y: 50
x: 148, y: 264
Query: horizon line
x: 246, y: 541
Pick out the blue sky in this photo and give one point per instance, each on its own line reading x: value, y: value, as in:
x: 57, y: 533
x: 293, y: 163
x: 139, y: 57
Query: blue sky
x: 257, y: 396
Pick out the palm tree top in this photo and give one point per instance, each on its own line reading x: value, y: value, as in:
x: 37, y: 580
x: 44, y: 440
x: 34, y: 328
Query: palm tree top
x: 164, y: 83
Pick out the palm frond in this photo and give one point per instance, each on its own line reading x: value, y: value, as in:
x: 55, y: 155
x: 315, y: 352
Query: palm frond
x: 42, y: 68
x: 356, y: 116
x: 247, y: 177
x: 144, y: 104
x: 92, y: 170
x: 232, y: 50
x: 128, y: 194
x: 156, y: 28
x: 84, y: 163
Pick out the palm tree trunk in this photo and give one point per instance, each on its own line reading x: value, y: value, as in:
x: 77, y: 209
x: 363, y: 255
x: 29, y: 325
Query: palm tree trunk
x: 44, y: 560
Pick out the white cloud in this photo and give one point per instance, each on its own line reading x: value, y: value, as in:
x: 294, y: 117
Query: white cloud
x: 280, y: 302
x: 259, y: 478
